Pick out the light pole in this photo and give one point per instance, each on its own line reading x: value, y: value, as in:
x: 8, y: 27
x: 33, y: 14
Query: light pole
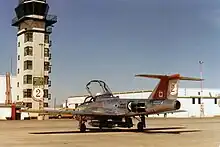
x: 201, y: 76
x: 201, y: 94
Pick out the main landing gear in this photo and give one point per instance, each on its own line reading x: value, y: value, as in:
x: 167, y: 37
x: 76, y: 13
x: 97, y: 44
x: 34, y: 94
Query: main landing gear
x: 142, y: 124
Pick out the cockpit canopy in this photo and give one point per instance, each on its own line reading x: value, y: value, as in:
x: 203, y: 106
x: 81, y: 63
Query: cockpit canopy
x: 97, y: 89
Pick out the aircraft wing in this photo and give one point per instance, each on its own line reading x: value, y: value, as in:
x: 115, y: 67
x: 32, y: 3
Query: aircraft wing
x: 50, y: 111
x: 175, y: 111
x: 117, y: 113
x: 100, y: 112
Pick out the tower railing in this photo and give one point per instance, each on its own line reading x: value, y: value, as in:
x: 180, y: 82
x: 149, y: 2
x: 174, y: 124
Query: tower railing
x: 22, y: 1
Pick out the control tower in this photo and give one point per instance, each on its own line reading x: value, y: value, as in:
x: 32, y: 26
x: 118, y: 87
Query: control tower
x: 33, y: 52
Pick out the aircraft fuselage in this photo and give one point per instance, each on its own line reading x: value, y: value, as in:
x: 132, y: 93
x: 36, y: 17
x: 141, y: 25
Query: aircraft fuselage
x: 122, y: 107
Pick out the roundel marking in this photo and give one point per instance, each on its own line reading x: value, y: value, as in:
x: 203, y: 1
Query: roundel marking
x: 160, y: 93
x: 129, y: 106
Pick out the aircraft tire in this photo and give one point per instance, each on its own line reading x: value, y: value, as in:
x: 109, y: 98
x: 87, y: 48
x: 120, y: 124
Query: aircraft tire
x: 140, y: 127
x: 130, y: 123
x: 82, y: 127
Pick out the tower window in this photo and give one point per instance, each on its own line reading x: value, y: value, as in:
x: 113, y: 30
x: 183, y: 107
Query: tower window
x: 28, y: 65
x: 46, y: 66
x: 46, y: 105
x: 45, y: 93
x: 46, y: 38
x: 28, y: 37
x: 46, y: 79
x: 17, y: 97
x: 38, y: 81
x: 18, y: 57
x: 29, y: 105
x: 49, y: 96
x: 28, y: 51
x: 27, y: 79
x: 46, y: 52
x: 17, y: 84
x: 18, y: 44
x: 18, y: 71
x: 27, y: 93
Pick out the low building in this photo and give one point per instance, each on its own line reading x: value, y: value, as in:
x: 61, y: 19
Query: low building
x: 3, y: 88
x: 6, y: 110
x: 197, y: 104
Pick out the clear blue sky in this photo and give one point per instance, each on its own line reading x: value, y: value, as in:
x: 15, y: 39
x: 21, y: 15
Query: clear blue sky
x: 113, y: 40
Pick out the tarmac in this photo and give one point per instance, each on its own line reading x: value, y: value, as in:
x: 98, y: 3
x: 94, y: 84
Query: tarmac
x: 161, y: 132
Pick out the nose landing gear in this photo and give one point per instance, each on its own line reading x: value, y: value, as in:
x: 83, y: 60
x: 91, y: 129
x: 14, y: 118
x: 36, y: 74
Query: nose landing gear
x: 82, y: 127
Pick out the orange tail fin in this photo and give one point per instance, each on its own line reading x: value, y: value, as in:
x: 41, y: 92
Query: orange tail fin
x: 168, y: 86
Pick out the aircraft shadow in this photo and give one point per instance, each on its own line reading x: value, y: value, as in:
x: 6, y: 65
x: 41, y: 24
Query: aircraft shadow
x: 166, y: 130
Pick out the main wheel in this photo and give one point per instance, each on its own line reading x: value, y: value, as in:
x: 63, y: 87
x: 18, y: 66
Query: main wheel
x: 140, y: 127
x: 82, y: 127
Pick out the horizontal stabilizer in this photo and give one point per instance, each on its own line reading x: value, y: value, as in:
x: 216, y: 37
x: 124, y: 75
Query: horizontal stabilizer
x: 170, y: 77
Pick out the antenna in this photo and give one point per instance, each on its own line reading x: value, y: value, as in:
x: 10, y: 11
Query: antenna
x: 11, y: 66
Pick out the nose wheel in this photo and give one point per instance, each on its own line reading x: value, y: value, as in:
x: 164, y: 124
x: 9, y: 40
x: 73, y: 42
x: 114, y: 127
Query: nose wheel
x: 82, y: 127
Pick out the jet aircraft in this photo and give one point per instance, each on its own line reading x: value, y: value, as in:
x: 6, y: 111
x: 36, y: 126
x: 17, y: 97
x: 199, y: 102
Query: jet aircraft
x: 104, y: 110
x: 108, y: 111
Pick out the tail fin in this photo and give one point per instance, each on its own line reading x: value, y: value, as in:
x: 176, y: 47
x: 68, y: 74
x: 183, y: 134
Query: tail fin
x: 168, y: 86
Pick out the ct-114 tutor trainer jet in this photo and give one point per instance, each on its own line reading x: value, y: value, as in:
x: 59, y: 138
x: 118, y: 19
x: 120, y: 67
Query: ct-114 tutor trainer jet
x: 106, y: 110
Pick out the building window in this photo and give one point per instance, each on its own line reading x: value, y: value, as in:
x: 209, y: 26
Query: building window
x: 38, y: 81
x: 17, y: 97
x: 198, y: 93
x: 27, y: 79
x: 193, y: 100
x: 49, y: 70
x: 28, y: 65
x: 18, y: 71
x: 46, y: 66
x: 27, y: 93
x: 49, y: 96
x: 46, y: 52
x: 17, y: 84
x: 46, y: 38
x: 45, y: 93
x: 199, y: 100
x: 18, y: 57
x: 28, y: 37
x: 46, y: 79
x: 18, y: 44
x: 76, y: 105
x: 46, y: 105
x: 29, y: 105
x: 215, y: 100
x: 28, y: 51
